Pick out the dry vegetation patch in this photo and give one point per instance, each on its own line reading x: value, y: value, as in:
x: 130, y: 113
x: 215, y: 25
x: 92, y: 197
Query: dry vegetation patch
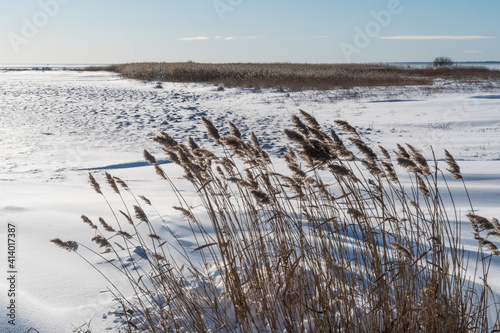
x: 336, y: 241
x: 297, y: 76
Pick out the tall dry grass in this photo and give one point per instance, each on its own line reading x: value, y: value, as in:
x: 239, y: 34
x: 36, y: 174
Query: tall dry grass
x: 344, y: 239
x: 298, y: 76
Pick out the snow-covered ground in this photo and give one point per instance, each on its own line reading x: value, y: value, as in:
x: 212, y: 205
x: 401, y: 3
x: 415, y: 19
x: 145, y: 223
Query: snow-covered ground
x: 56, y: 126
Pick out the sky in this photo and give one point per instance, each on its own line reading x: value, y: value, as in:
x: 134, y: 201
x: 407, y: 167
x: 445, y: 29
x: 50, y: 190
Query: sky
x: 314, y: 31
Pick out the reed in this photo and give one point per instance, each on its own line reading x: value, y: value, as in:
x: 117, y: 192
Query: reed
x: 298, y: 76
x: 336, y: 241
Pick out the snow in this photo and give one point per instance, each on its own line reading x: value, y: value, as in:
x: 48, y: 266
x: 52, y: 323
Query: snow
x: 56, y: 126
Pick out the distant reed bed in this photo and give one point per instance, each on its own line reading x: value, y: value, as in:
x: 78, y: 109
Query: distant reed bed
x: 297, y: 76
x: 343, y: 237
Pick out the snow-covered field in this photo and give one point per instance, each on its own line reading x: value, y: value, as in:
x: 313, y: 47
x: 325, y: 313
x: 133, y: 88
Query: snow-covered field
x: 57, y: 126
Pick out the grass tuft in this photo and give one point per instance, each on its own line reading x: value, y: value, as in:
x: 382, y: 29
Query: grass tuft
x: 336, y: 241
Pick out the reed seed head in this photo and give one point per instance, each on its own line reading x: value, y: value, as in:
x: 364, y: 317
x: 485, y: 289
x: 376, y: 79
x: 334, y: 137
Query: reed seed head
x: 310, y: 120
x: 212, y: 131
x: 106, y: 226
x: 165, y: 140
x: 408, y: 164
x: 234, y: 130
x: 420, y: 160
x: 101, y: 241
x: 479, y: 222
x: 122, y: 183
x: 385, y: 153
x: 140, y: 215
x: 67, y: 245
x: 295, y: 137
x: 355, y: 213
x: 363, y: 148
x: 112, y: 183
x: 124, y: 234
x: 149, y: 158
x: 389, y: 170
x: 146, y: 200
x: 255, y: 141
x: 95, y: 185
x: 186, y: 213
x: 453, y: 167
x: 192, y: 144
x: 300, y: 125
x: 129, y: 219
x: 261, y: 197
x: 401, y: 152
x: 422, y: 187
x: 86, y: 220
x: 345, y: 126
x: 159, y: 171
x: 339, y: 170
x: 403, y: 252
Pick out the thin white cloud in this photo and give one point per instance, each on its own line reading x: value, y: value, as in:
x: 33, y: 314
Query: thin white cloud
x: 194, y: 38
x: 473, y: 51
x: 217, y: 37
x: 436, y: 37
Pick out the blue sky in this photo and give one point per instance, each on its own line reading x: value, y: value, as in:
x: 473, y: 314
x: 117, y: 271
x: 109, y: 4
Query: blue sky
x: 314, y: 31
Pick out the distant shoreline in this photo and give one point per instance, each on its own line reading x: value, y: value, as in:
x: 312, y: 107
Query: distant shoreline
x: 84, y: 65
x: 290, y: 76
